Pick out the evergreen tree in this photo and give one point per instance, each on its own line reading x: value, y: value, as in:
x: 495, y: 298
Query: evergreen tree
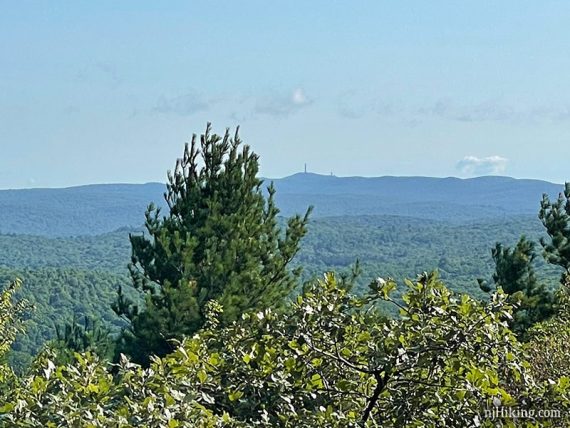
x: 555, y: 217
x: 220, y: 240
x: 515, y: 275
x: 87, y: 336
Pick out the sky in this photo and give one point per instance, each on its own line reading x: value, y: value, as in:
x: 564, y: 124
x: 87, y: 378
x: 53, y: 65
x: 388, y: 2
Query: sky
x: 107, y: 91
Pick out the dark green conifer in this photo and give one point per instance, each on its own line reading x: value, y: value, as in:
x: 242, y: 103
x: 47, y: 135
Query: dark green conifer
x: 220, y: 240
x: 555, y: 217
x: 515, y: 274
x: 88, y: 335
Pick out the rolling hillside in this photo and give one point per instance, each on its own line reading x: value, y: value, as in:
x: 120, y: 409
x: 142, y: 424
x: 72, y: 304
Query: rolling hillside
x: 71, y: 247
x: 97, y: 209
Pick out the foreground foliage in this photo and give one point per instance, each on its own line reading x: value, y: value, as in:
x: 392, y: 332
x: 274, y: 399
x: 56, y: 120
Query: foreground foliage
x: 330, y: 360
x: 11, y: 316
x: 548, y: 342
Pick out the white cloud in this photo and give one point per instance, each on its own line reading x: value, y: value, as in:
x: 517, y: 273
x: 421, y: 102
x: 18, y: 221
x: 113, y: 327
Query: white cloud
x: 491, y: 165
x: 299, y: 98
x: 283, y: 105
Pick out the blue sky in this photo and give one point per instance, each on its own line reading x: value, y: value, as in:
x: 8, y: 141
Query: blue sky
x: 94, y: 92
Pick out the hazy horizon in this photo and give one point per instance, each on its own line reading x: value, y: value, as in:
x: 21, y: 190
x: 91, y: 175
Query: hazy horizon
x: 103, y: 183
x: 110, y: 92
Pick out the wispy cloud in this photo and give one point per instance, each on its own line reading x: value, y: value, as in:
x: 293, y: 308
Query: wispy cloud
x: 352, y: 105
x: 349, y: 107
x: 100, y: 71
x: 488, y: 111
x: 491, y: 165
x: 183, y: 105
x: 494, y: 111
x: 281, y: 106
x: 481, y: 112
x: 355, y: 104
x: 350, y: 112
x: 110, y: 70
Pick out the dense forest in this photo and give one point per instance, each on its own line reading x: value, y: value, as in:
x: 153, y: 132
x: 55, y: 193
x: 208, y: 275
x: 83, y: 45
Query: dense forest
x: 222, y: 310
x: 77, y: 276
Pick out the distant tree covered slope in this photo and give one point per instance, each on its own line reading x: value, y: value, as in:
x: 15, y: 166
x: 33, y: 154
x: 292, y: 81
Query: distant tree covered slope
x: 75, y: 276
x: 96, y: 209
x: 401, y: 247
x: 109, y: 252
x: 387, y: 245
x: 418, y: 224
x: 83, y: 210
x: 59, y: 294
x: 448, y: 199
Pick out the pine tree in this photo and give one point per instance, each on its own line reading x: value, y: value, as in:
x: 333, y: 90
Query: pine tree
x: 220, y: 240
x: 515, y: 274
x: 87, y: 335
x: 555, y: 217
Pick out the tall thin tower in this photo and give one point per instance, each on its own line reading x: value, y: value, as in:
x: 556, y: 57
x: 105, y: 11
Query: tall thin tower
x: 305, y: 168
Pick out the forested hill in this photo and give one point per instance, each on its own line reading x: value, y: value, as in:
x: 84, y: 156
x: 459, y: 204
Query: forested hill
x: 76, y: 276
x: 96, y: 209
x: 71, y: 246
x: 82, y: 210
x: 447, y: 199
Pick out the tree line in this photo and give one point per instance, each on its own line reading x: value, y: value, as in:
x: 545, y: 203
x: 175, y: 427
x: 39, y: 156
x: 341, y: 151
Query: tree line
x: 223, y: 331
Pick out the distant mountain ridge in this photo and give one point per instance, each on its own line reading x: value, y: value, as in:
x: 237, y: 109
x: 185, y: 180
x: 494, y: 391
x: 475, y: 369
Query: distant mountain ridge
x: 82, y: 210
x: 100, y: 208
x: 449, y: 199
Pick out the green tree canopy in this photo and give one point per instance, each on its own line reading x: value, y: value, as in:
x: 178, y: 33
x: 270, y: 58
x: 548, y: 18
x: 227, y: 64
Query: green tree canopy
x: 515, y: 275
x: 220, y: 240
x: 555, y: 216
